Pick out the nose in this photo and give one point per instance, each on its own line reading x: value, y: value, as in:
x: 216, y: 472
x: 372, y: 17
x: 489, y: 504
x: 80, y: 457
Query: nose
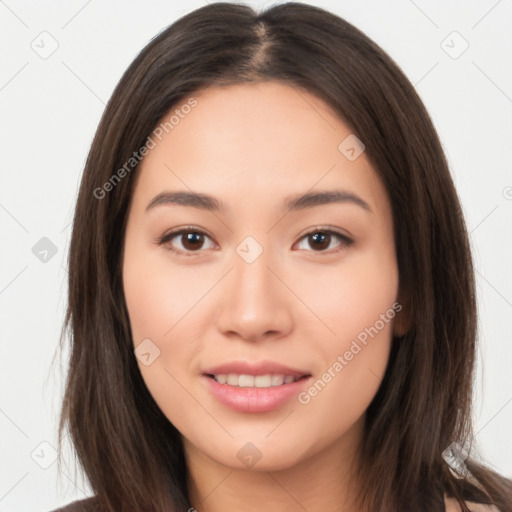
x: 256, y: 302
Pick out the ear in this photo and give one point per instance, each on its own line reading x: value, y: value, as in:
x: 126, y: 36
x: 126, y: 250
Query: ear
x: 402, y: 323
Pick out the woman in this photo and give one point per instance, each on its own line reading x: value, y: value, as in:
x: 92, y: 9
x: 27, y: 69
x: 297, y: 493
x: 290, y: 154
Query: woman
x: 271, y: 292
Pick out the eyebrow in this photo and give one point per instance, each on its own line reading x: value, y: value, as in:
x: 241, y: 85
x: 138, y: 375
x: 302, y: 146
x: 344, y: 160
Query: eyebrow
x: 292, y: 203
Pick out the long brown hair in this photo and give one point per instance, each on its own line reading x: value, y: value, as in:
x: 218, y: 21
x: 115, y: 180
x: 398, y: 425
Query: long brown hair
x: 132, y: 455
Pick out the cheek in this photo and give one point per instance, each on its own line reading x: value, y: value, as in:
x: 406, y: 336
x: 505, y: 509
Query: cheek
x: 159, y: 296
x: 168, y: 305
x: 357, y: 308
x: 161, y: 309
x: 356, y: 356
x: 351, y: 297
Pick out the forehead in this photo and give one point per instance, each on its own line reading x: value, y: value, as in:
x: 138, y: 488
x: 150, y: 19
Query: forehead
x: 255, y: 141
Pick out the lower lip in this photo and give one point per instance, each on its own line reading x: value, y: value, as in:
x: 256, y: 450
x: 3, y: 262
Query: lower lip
x: 246, y: 399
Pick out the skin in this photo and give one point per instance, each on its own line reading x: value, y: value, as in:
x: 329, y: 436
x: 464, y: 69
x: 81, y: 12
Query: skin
x: 250, y: 146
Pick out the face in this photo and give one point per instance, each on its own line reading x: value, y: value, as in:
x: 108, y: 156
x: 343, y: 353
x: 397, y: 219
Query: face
x: 306, y: 288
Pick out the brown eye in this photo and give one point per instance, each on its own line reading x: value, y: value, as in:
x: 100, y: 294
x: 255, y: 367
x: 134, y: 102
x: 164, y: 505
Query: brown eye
x: 188, y: 240
x: 192, y: 241
x: 320, y: 240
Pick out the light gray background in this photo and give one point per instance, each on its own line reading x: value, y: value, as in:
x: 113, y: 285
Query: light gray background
x: 50, y: 108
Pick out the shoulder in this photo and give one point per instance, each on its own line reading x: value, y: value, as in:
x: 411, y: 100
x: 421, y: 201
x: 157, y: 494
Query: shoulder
x: 85, y: 505
x: 451, y: 505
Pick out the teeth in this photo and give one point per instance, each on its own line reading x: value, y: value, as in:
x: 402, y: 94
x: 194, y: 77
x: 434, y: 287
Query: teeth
x: 277, y: 380
x: 252, y: 381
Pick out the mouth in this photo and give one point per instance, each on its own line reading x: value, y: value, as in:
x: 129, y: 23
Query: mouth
x: 254, y: 387
x: 248, y: 386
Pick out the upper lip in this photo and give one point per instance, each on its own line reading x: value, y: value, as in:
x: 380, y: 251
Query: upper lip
x: 255, y: 368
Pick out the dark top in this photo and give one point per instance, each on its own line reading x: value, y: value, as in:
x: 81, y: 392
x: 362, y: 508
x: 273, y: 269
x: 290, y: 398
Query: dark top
x: 85, y: 505
x: 91, y: 505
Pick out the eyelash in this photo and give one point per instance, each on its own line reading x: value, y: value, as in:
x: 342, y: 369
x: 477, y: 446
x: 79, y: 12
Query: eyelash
x: 345, y: 240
